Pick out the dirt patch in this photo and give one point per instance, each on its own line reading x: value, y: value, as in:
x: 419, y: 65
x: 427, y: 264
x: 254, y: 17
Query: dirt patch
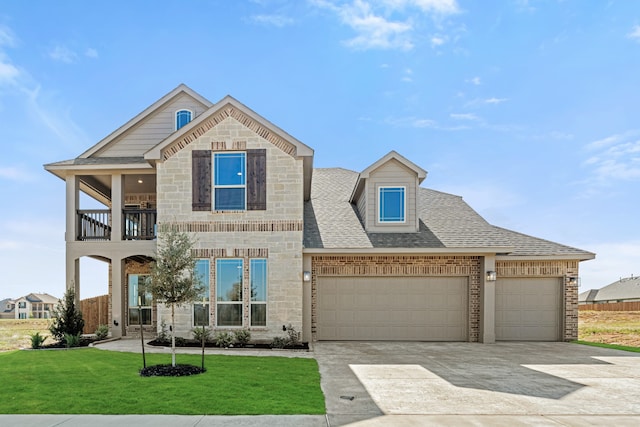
x: 16, y: 334
x: 610, y: 327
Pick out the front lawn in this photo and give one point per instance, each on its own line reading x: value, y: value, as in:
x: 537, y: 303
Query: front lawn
x: 90, y: 381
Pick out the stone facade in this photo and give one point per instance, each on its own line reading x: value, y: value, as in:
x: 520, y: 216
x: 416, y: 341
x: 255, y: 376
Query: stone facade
x: 274, y: 233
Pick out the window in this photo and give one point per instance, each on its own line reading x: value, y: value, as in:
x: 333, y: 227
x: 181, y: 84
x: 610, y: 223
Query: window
x: 201, y: 307
x: 139, y: 296
x: 229, y: 292
x: 258, y: 280
x: 22, y: 304
x: 229, y: 181
x: 182, y: 118
x: 391, y: 204
x: 22, y: 315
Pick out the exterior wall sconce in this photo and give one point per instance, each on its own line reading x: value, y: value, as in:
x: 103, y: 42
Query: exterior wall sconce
x: 306, y: 276
x: 572, y: 280
x: 491, y: 276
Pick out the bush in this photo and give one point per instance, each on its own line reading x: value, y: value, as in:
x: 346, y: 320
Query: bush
x: 37, y: 340
x: 200, y: 334
x: 72, y: 340
x: 67, y: 318
x: 242, y: 337
x: 163, y: 335
x: 102, y: 332
x: 290, y: 341
x: 224, y: 339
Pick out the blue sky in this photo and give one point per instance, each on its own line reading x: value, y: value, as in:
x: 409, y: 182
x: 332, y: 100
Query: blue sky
x: 527, y: 109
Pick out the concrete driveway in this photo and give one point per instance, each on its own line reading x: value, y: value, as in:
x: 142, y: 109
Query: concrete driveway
x: 386, y: 383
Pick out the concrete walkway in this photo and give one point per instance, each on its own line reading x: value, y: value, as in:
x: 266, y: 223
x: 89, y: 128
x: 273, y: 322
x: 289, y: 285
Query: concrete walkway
x: 439, y: 384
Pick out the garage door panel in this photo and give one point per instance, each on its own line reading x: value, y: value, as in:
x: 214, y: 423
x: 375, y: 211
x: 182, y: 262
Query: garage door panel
x: 528, y: 309
x: 392, y: 308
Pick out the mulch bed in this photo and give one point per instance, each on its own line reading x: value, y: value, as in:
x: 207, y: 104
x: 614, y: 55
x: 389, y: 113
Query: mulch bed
x: 171, y: 371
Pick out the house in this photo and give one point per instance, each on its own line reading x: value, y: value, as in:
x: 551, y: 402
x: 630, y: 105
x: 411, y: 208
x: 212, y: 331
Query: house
x: 337, y: 254
x: 7, y: 309
x: 35, y: 306
x: 626, y: 289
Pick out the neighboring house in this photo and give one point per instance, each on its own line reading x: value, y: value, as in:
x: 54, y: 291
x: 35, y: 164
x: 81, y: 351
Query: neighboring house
x: 624, y: 290
x: 35, y: 306
x: 337, y: 254
x: 7, y: 309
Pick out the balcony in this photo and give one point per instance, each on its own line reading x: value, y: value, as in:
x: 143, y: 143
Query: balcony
x: 95, y: 224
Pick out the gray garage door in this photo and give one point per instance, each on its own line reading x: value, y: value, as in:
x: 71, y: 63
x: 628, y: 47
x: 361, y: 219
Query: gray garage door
x: 392, y: 308
x: 528, y: 309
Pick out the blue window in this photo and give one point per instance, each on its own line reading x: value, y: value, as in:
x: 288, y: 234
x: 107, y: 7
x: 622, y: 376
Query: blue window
x: 391, y: 204
x: 229, y: 293
x: 182, y: 118
x: 229, y: 181
x: 258, y: 278
x: 201, y: 306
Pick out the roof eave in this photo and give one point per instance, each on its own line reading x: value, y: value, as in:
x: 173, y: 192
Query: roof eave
x: 586, y: 256
x: 427, y: 251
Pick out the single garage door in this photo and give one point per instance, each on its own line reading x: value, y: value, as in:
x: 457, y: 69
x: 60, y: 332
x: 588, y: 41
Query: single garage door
x: 528, y: 309
x: 392, y: 308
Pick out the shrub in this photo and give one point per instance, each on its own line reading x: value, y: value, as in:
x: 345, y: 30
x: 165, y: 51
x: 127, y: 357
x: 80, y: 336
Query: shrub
x: 102, y: 332
x: 163, y: 335
x: 224, y: 339
x: 37, y: 340
x: 279, y: 342
x: 67, y: 318
x: 71, y: 340
x: 291, y: 340
x: 242, y: 337
x: 200, y: 334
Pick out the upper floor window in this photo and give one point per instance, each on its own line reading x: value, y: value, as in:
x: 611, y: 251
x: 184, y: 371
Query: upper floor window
x: 391, y: 204
x: 229, y: 181
x: 182, y: 118
x: 22, y: 304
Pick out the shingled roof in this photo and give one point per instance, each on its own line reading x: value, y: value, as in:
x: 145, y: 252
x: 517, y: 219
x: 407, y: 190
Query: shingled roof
x: 625, y: 289
x: 446, y: 222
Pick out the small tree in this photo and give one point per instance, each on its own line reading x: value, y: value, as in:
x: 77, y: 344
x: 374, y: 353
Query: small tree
x: 67, y: 318
x: 173, y: 281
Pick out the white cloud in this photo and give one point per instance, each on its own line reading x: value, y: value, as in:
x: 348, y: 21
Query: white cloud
x: 616, y: 157
x: 437, y: 41
x: 495, y: 100
x: 63, y: 54
x: 278, y: 21
x: 376, y: 22
x: 91, y: 53
x: 561, y: 135
x: 635, y: 33
x: 421, y: 123
x: 464, y: 116
x: 13, y: 173
x: 475, y: 81
x: 8, y: 72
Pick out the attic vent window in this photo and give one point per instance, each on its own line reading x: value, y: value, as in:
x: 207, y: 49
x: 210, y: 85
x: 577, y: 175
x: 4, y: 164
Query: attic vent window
x: 391, y: 204
x: 182, y: 118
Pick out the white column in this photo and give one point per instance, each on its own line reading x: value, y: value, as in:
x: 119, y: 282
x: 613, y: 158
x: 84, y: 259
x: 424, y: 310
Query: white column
x: 487, y: 301
x: 117, y: 303
x: 73, y: 274
x: 306, y: 301
x: 117, y: 203
x: 72, y: 204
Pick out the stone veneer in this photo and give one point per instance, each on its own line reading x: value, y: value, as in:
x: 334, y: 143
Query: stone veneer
x: 427, y: 265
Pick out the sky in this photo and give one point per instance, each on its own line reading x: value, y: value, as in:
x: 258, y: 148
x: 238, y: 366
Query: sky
x: 529, y: 110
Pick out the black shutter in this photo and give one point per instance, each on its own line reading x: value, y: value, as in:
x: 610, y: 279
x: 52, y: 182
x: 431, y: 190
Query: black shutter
x: 256, y: 180
x: 201, y: 180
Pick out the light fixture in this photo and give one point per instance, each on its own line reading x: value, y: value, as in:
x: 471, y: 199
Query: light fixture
x: 491, y: 276
x: 572, y: 280
x: 140, y: 181
x: 306, y: 276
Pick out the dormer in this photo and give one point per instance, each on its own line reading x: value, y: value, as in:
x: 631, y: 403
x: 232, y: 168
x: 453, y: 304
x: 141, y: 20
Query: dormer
x: 385, y: 195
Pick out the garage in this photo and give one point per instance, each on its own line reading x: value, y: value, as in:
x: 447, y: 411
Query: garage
x: 528, y: 309
x: 392, y: 308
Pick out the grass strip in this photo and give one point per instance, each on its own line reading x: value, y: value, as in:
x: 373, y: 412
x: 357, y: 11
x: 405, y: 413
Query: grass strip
x: 612, y: 346
x: 91, y: 381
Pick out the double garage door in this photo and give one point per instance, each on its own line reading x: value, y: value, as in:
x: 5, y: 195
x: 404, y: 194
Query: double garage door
x: 392, y: 308
x: 433, y: 309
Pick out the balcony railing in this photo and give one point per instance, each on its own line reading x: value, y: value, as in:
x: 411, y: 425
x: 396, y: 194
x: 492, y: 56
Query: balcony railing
x: 94, y: 224
x: 137, y: 224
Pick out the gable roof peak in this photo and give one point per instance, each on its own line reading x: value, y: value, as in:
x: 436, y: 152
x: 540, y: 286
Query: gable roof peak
x: 394, y: 155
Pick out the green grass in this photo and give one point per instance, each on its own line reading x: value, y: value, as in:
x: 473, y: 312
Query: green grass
x: 613, y: 346
x: 90, y: 381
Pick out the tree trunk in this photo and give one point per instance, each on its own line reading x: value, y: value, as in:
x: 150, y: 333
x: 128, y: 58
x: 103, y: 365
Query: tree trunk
x: 173, y: 335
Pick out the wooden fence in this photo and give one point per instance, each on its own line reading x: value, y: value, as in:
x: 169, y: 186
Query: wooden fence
x: 612, y: 306
x: 95, y: 312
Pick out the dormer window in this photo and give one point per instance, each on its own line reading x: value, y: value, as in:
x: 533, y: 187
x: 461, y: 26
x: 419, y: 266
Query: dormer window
x: 182, y: 118
x: 391, y: 204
